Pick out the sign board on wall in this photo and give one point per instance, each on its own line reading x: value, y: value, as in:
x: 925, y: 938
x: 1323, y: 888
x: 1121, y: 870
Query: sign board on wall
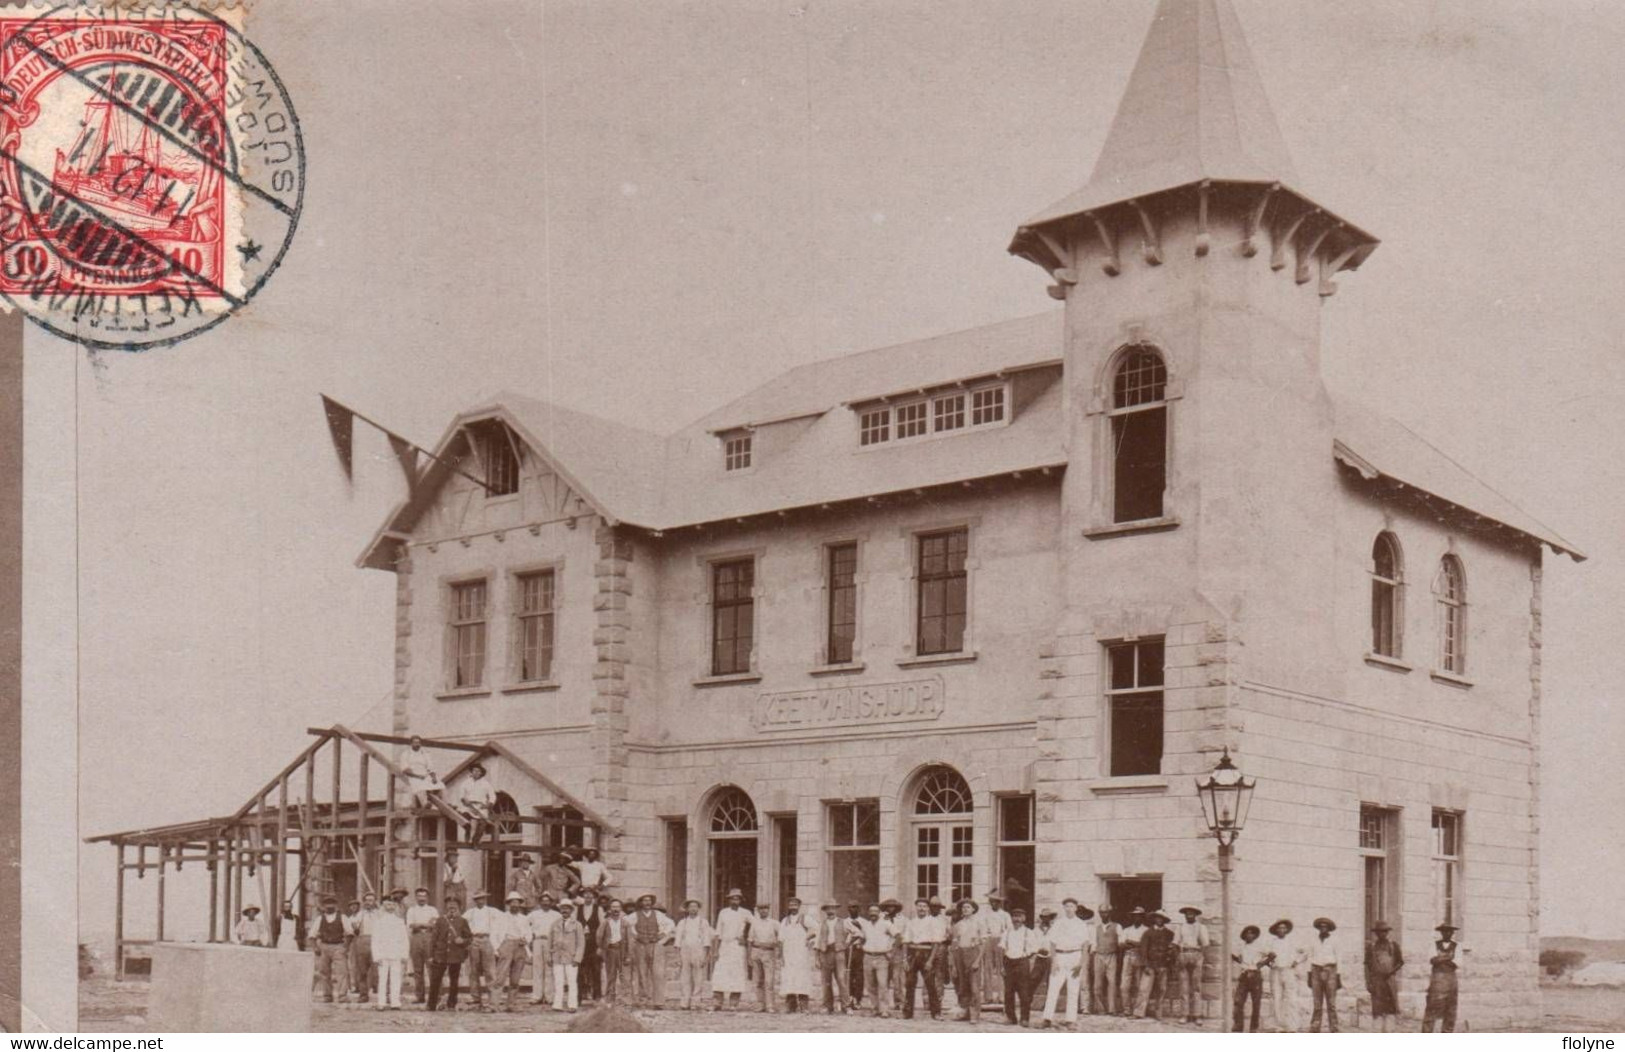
x: 858, y: 705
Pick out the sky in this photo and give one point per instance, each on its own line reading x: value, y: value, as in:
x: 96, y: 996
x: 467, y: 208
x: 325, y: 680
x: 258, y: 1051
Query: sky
x: 644, y: 210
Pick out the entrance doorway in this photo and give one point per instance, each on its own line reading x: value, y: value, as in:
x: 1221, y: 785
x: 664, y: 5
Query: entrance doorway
x: 733, y: 832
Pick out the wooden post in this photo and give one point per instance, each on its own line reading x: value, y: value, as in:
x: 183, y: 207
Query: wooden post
x: 389, y: 834
x: 214, y: 896
x: 118, y: 919
x: 338, y: 777
x: 237, y: 877
x: 363, y: 878
x: 438, y: 883
x: 279, y: 879
x: 163, y: 853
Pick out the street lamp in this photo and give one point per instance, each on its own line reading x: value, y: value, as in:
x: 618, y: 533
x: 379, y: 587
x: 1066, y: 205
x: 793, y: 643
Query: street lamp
x: 1225, y: 796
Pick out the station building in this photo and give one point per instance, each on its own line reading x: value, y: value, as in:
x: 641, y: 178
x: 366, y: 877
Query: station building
x: 979, y: 610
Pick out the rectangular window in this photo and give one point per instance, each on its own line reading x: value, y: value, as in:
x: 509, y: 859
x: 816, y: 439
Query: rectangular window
x: 784, y: 834
x: 854, y: 851
x: 949, y: 412
x: 842, y: 614
x: 1134, y: 707
x: 498, y: 459
x: 1379, y: 850
x: 1125, y: 893
x: 676, y: 860
x: 1139, y: 463
x: 959, y: 864
x: 535, y: 616
x: 987, y: 406
x: 1447, y: 866
x: 927, y: 861
x: 874, y: 427
x: 563, y: 827
x: 733, y: 616
x: 468, y: 634
x: 911, y: 420
x: 1017, y: 854
x: 736, y: 453
x: 942, y: 586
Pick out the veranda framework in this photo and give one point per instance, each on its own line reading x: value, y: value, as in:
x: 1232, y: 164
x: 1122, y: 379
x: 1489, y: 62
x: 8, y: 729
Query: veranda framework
x: 337, y: 822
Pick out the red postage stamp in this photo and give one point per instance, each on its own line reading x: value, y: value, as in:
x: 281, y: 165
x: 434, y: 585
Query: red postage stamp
x: 138, y: 156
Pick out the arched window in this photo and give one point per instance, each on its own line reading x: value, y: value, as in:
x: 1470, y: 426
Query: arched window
x: 506, y: 815
x: 942, y: 834
x: 1139, y: 416
x: 733, y: 813
x: 1387, y: 579
x: 1450, y: 591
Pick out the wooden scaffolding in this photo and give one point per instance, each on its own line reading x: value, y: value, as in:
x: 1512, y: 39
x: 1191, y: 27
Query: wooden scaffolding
x: 337, y: 821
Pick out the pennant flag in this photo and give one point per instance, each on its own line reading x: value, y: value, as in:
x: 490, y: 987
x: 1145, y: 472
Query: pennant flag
x: 341, y: 424
x: 407, y: 454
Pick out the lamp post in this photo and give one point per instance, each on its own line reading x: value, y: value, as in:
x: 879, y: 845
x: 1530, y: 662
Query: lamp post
x: 1225, y: 796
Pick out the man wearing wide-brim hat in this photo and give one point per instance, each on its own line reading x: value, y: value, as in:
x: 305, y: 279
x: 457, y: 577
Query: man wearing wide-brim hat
x: 1136, y: 969
x: 1324, y: 981
x: 510, y: 934
x: 1382, y: 964
x: 251, y: 930
x: 1286, y: 979
x: 897, y: 958
x: 694, y: 940
x: 1190, y: 938
x: 1443, y: 981
x: 487, y: 925
x: 1161, y: 957
x: 1105, y: 959
x: 995, y: 922
x: 729, y: 976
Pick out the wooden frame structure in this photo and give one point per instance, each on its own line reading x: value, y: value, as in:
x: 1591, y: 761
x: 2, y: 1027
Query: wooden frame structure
x: 332, y: 823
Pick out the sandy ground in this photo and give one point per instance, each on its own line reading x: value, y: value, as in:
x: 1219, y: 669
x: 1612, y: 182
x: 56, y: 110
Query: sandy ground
x: 106, y: 1006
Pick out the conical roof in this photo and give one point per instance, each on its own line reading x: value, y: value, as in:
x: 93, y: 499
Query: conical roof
x: 1195, y: 109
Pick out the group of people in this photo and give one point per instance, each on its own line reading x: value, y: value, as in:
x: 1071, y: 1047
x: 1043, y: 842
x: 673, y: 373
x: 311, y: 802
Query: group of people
x: 578, y: 945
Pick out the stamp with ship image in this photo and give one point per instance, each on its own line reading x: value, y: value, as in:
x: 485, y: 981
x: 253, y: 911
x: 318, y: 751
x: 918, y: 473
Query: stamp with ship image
x: 151, y: 172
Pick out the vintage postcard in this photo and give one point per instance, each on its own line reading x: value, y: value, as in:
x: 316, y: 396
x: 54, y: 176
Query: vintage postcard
x: 823, y: 516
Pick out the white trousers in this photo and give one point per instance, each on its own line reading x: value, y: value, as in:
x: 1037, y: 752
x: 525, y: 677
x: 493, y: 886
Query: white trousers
x: 564, y: 975
x: 1063, y: 971
x: 540, y: 970
x: 388, y: 993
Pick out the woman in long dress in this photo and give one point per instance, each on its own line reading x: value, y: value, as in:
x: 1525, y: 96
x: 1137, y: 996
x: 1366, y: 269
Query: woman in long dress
x: 729, y: 976
x: 1286, y: 977
x: 798, y: 979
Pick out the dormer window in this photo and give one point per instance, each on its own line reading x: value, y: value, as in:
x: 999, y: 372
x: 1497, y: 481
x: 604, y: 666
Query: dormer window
x: 961, y: 409
x: 499, y: 457
x: 736, y: 453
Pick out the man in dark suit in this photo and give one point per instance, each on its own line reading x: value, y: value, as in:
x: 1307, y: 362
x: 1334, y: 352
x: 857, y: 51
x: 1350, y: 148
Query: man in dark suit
x: 591, y: 976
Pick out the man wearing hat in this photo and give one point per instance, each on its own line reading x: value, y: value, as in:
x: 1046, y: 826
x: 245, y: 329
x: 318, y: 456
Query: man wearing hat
x: 1017, y: 947
x: 448, y: 949
x: 486, y: 924
x: 1443, y: 981
x: 1250, y: 980
x: 1285, y: 961
x: 732, y: 931
x: 897, y: 960
x: 557, y: 879
x: 251, y: 931
x: 693, y: 939
x: 651, y: 929
x: 995, y: 922
x: 523, y: 880
x: 831, y: 947
x: 854, y: 969
x: 877, y: 935
x: 453, y: 882
x: 568, y: 944
x: 1324, y: 982
x: 1042, y: 956
x: 332, y: 968
x: 418, y: 772
x: 390, y: 949
x: 591, y: 914
x: 968, y: 944
x: 614, y: 944
x: 1106, y: 959
x: 510, y: 933
x: 1136, y: 969
x: 362, y: 970
x: 476, y: 801
x: 1162, y: 956
x: 420, y: 919
x: 1190, y: 939
x: 1382, y: 964
x: 592, y: 873
x: 352, y: 929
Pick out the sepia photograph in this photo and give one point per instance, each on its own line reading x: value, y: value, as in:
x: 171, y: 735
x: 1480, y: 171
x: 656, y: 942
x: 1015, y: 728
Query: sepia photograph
x: 812, y: 516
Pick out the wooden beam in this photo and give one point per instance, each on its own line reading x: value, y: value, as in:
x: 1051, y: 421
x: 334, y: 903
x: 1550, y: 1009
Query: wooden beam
x: 214, y: 899
x: 391, y: 739
x: 118, y: 919
x: 160, y: 894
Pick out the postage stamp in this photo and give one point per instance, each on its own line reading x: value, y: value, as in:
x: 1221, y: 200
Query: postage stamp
x: 151, y: 172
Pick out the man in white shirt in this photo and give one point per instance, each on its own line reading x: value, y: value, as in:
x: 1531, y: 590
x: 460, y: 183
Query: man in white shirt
x: 510, y: 933
x: 968, y: 943
x: 476, y: 800
x: 593, y: 873
x: 420, y: 918
x: 390, y: 949
x: 251, y: 931
x: 877, y: 936
x: 1066, y: 939
x: 1136, y: 969
x: 765, y: 953
x: 541, y: 922
x: 1323, y: 979
x: 926, y: 938
x: 730, y: 976
x: 486, y: 925
x: 1190, y: 937
x: 995, y: 922
x: 453, y: 882
x: 693, y: 941
x: 421, y: 781
x: 649, y: 929
x: 830, y: 948
x: 1017, y: 947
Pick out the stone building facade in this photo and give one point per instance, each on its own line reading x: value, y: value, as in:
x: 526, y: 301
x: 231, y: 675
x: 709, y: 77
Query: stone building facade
x: 979, y: 610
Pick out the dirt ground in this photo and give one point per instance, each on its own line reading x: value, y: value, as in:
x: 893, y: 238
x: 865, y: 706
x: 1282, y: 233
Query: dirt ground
x: 106, y: 1006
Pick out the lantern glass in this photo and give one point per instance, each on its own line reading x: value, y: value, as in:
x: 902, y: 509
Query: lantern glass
x: 1226, y: 797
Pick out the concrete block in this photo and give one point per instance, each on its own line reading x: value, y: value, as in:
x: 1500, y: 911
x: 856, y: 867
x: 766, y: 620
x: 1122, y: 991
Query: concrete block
x: 213, y: 987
